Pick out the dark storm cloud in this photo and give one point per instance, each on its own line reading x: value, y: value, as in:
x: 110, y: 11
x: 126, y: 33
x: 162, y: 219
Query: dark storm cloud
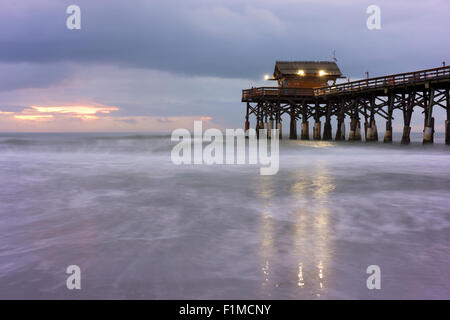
x: 26, y: 75
x: 237, y: 39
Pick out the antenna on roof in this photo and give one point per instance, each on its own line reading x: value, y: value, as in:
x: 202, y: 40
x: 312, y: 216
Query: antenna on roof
x: 334, y: 56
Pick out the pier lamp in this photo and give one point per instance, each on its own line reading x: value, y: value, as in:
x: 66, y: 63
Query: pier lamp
x: 301, y: 72
x: 322, y: 73
x: 266, y: 77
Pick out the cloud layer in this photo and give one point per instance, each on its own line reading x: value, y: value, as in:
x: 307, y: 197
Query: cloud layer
x: 191, y: 58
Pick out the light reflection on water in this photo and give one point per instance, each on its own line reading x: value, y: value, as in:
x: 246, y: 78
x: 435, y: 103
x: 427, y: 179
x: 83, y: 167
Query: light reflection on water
x: 312, y: 227
x: 311, y: 231
x: 266, y: 231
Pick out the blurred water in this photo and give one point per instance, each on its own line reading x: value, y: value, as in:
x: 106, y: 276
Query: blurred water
x: 141, y: 227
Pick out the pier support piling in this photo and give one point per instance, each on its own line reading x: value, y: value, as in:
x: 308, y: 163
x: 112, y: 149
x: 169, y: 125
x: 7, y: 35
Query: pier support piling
x: 265, y: 125
x: 305, y: 130
x: 269, y: 127
x: 260, y: 128
x: 372, y: 131
x: 305, y: 122
x: 280, y: 130
x: 370, y: 124
x: 278, y: 122
x: 355, y: 124
x: 338, y: 131
x: 247, y: 122
x: 367, y: 131
x: 293, y: 129
x: 447, y: 122
x: 263, y: 130
x: 352, y: 134
x: 358, y: 130
x: 327, y: 131
x: 405, y: 137
x: 428, y: 131
x: 388, y: 133
x: 327, y: 134
x: 317, y: 130
x: 355, y: 130
x: 342, y: 128
x: 258, y: 120
x: 407, y: 114
x: 447, y: 131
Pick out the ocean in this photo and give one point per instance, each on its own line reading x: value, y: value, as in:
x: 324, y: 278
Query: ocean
x: 140, y: 227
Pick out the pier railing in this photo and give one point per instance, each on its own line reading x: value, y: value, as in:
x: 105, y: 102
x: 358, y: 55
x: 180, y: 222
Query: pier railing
x: 393, y: 80
x: 275, y: 91
x: 385, y: 81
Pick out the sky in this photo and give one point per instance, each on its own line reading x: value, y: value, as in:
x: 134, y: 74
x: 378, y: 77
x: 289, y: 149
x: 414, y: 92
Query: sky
x: 157, y: 65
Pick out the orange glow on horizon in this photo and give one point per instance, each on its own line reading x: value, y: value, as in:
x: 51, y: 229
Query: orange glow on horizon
x: 39, y: 117
x: 81, y: 110
x: 42, y: 113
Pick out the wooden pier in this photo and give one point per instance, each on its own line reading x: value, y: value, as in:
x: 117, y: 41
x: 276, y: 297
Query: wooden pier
x: 297, y: 97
